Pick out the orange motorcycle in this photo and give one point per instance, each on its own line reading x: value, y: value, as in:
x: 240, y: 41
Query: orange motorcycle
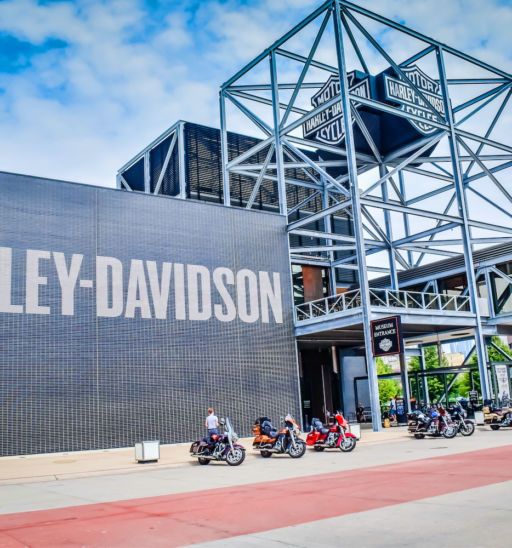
x: 269, y: 440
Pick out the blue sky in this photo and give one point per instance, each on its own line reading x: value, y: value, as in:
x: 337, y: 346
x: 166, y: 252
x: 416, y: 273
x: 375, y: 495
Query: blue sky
x: 85, y: 85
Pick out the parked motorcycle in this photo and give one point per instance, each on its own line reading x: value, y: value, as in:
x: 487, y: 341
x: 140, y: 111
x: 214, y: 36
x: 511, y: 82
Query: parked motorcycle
x: 433, y: 422
x: 221, y: 447
x: 459, y: 418
x: 335, y: 436
x: 269, y: 440
x: 497, y: 417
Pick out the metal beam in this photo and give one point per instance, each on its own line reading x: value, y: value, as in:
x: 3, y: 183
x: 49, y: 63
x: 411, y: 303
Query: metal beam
x: 258, y: 122
x: 264, y: 100
x: 305, y: 69
x: 302, y: 59
x: 404, y: 163
x: 316, y: 167
x: 166, y: 163
x: 358, y: 229
x: 278, y: 43
x: 320, y: 215
x: 396, y: 68
x: 260, y: 177
x: 429, y: 232
x: 304, y: 202
x: 224, y: 149
x: 465, y: 228
x: 489, y: 131
x: 423, y: 38
x: 322, y: 248
x: 147, y: 173
x: 372, y: 202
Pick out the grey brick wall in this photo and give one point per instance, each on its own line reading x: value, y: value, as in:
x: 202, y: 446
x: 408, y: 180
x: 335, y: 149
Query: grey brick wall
x: 86, y: 382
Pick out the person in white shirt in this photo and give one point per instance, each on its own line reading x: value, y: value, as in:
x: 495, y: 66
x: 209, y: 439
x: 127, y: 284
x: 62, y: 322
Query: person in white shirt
x: 212, y: 422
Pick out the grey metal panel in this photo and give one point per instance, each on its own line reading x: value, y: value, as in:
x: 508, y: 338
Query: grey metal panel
x: 84, y: 382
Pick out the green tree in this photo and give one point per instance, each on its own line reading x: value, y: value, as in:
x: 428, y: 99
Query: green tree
x: 494, y: 355
x: 388, y: 388
x: 462, y: 384
x: 435, y: 383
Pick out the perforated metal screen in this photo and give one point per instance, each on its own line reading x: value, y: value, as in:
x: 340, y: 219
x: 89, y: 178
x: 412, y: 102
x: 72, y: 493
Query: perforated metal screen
x: 78, y: 372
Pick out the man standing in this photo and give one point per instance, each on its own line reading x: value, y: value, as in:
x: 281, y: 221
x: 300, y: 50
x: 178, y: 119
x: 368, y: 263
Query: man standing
x: 392, y: 409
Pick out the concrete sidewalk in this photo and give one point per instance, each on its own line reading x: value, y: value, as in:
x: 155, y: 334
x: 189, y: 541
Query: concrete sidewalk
x: 57, y: 466
x: 280, y: 502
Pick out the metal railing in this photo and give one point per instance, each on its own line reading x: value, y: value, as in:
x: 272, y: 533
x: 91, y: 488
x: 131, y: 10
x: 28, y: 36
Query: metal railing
x: 382, y: 298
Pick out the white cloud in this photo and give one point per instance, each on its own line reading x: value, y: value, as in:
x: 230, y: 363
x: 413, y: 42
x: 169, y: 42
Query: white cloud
x: 81, y: 111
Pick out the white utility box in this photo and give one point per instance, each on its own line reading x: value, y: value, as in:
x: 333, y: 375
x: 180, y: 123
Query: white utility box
x: 356, y: 430
x: 147, y: 451
x: 479, y: 417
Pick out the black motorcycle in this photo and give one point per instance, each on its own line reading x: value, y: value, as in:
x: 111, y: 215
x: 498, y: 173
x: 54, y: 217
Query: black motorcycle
x: 459, y: 417
x: 221, y: 447
x: 434, y: 421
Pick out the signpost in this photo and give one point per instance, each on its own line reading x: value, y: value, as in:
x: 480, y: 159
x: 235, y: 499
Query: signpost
x: 473, y: 397
x: 502, y: 381
x: 387, y: 336
x: 387, y: 340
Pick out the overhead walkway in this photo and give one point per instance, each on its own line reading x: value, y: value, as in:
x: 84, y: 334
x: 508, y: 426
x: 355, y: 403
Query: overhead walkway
x: 345, y: 310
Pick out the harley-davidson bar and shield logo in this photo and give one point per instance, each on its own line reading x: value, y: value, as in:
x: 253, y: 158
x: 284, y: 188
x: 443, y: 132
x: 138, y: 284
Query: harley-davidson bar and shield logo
x: 327, y: 125
x: 398, y: 91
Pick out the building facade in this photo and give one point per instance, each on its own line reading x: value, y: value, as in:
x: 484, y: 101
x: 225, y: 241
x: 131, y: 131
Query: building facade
x: 125, y: 316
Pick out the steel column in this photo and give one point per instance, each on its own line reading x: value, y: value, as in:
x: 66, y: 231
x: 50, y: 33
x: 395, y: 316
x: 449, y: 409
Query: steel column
x: 358, y: 227
x: 181, y: 161
x: 147, y: 173
x: 389, y: 230
x: 407, y: 228
x: 424, y: 377
x: 329, y: 242
x: 281, y: 184
x: 224, y: 149
x: 490, y: 294
x: 465, y: 228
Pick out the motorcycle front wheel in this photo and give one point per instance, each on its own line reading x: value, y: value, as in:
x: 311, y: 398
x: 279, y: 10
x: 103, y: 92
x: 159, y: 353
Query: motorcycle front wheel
x: 266, y: 454
x: 467, y: 428
x: 297, y: 451
x: 450, y: 431
x: 495, y: 426
x: 203, y: 461
x: 347, y: 444
x: 419, y: 436
x: 235, y: 457
x: 318, y: 448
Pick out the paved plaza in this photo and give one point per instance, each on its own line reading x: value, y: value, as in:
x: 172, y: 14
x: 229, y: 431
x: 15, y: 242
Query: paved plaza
x: 391, y: 491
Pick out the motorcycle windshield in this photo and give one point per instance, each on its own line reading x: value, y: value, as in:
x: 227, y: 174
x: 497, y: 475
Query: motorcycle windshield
x: 229, y: 428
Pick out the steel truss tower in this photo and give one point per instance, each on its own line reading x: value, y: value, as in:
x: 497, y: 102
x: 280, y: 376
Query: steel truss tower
x: 430, y: 197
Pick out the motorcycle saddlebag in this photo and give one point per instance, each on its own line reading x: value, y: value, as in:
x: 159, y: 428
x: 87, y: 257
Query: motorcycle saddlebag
x: 312, y: 438
x: 197, y: 446
x: 262, y: 439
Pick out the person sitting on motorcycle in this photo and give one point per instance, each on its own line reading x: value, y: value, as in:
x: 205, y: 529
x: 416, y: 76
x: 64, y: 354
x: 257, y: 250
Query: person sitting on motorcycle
x: 212, y: 423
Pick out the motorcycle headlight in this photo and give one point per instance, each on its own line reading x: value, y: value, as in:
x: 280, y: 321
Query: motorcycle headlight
x: 234, y: 438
